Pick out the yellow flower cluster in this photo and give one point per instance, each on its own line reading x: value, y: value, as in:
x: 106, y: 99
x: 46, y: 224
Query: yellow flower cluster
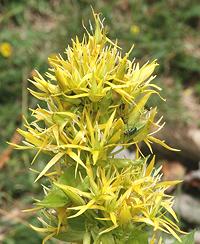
x: 135, y: 29
x: 5, y: 49
x: 96, y: 101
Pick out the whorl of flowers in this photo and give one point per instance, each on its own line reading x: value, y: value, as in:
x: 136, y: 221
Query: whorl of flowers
x: 95, y: 107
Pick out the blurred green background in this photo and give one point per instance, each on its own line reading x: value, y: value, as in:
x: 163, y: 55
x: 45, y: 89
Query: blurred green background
x: 30, y: 31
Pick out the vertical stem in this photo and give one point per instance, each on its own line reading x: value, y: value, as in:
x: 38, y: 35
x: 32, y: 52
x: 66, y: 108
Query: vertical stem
x: 24, y: 92
x: 24, y: 105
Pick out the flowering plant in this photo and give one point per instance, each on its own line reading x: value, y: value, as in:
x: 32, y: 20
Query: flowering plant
x: 95, y: 107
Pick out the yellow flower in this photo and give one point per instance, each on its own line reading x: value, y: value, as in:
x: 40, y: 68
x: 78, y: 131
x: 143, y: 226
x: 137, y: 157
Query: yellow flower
x: 52, y: 56
x: 6, y: 49
x: 95, y: 102
x: 135, y: 29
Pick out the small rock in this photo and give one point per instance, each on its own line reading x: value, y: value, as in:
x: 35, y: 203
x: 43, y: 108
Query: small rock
x: 188, y: 208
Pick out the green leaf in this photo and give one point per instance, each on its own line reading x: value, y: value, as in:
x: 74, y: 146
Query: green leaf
x: 138, y: 237
x: 68, y: 178
x: 77, y: 223
x: 75, y: 232
x: 52, y: 162
x: 137, y: 110
x: 87, y: 238
x: 71, y: 192
x: 124, y: 162
x: 107, y: 239
x: 187, y: 239
x: 70, y: 235
x: 61, y: 118
x: 55, y: 199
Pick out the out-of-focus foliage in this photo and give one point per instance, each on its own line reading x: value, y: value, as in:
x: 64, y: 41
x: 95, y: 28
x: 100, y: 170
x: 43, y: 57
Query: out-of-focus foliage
x: 35, y: 29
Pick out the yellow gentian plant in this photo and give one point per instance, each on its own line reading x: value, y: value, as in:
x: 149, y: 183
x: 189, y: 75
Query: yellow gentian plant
x: 95, y: 107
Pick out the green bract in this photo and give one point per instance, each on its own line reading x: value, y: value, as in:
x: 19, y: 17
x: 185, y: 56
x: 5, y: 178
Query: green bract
x: 95, y: 104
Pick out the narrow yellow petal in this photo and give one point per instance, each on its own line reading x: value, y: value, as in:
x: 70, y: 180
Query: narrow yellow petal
x: 162, y: 143
x: 150, y: 166
x: 53, y: 161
